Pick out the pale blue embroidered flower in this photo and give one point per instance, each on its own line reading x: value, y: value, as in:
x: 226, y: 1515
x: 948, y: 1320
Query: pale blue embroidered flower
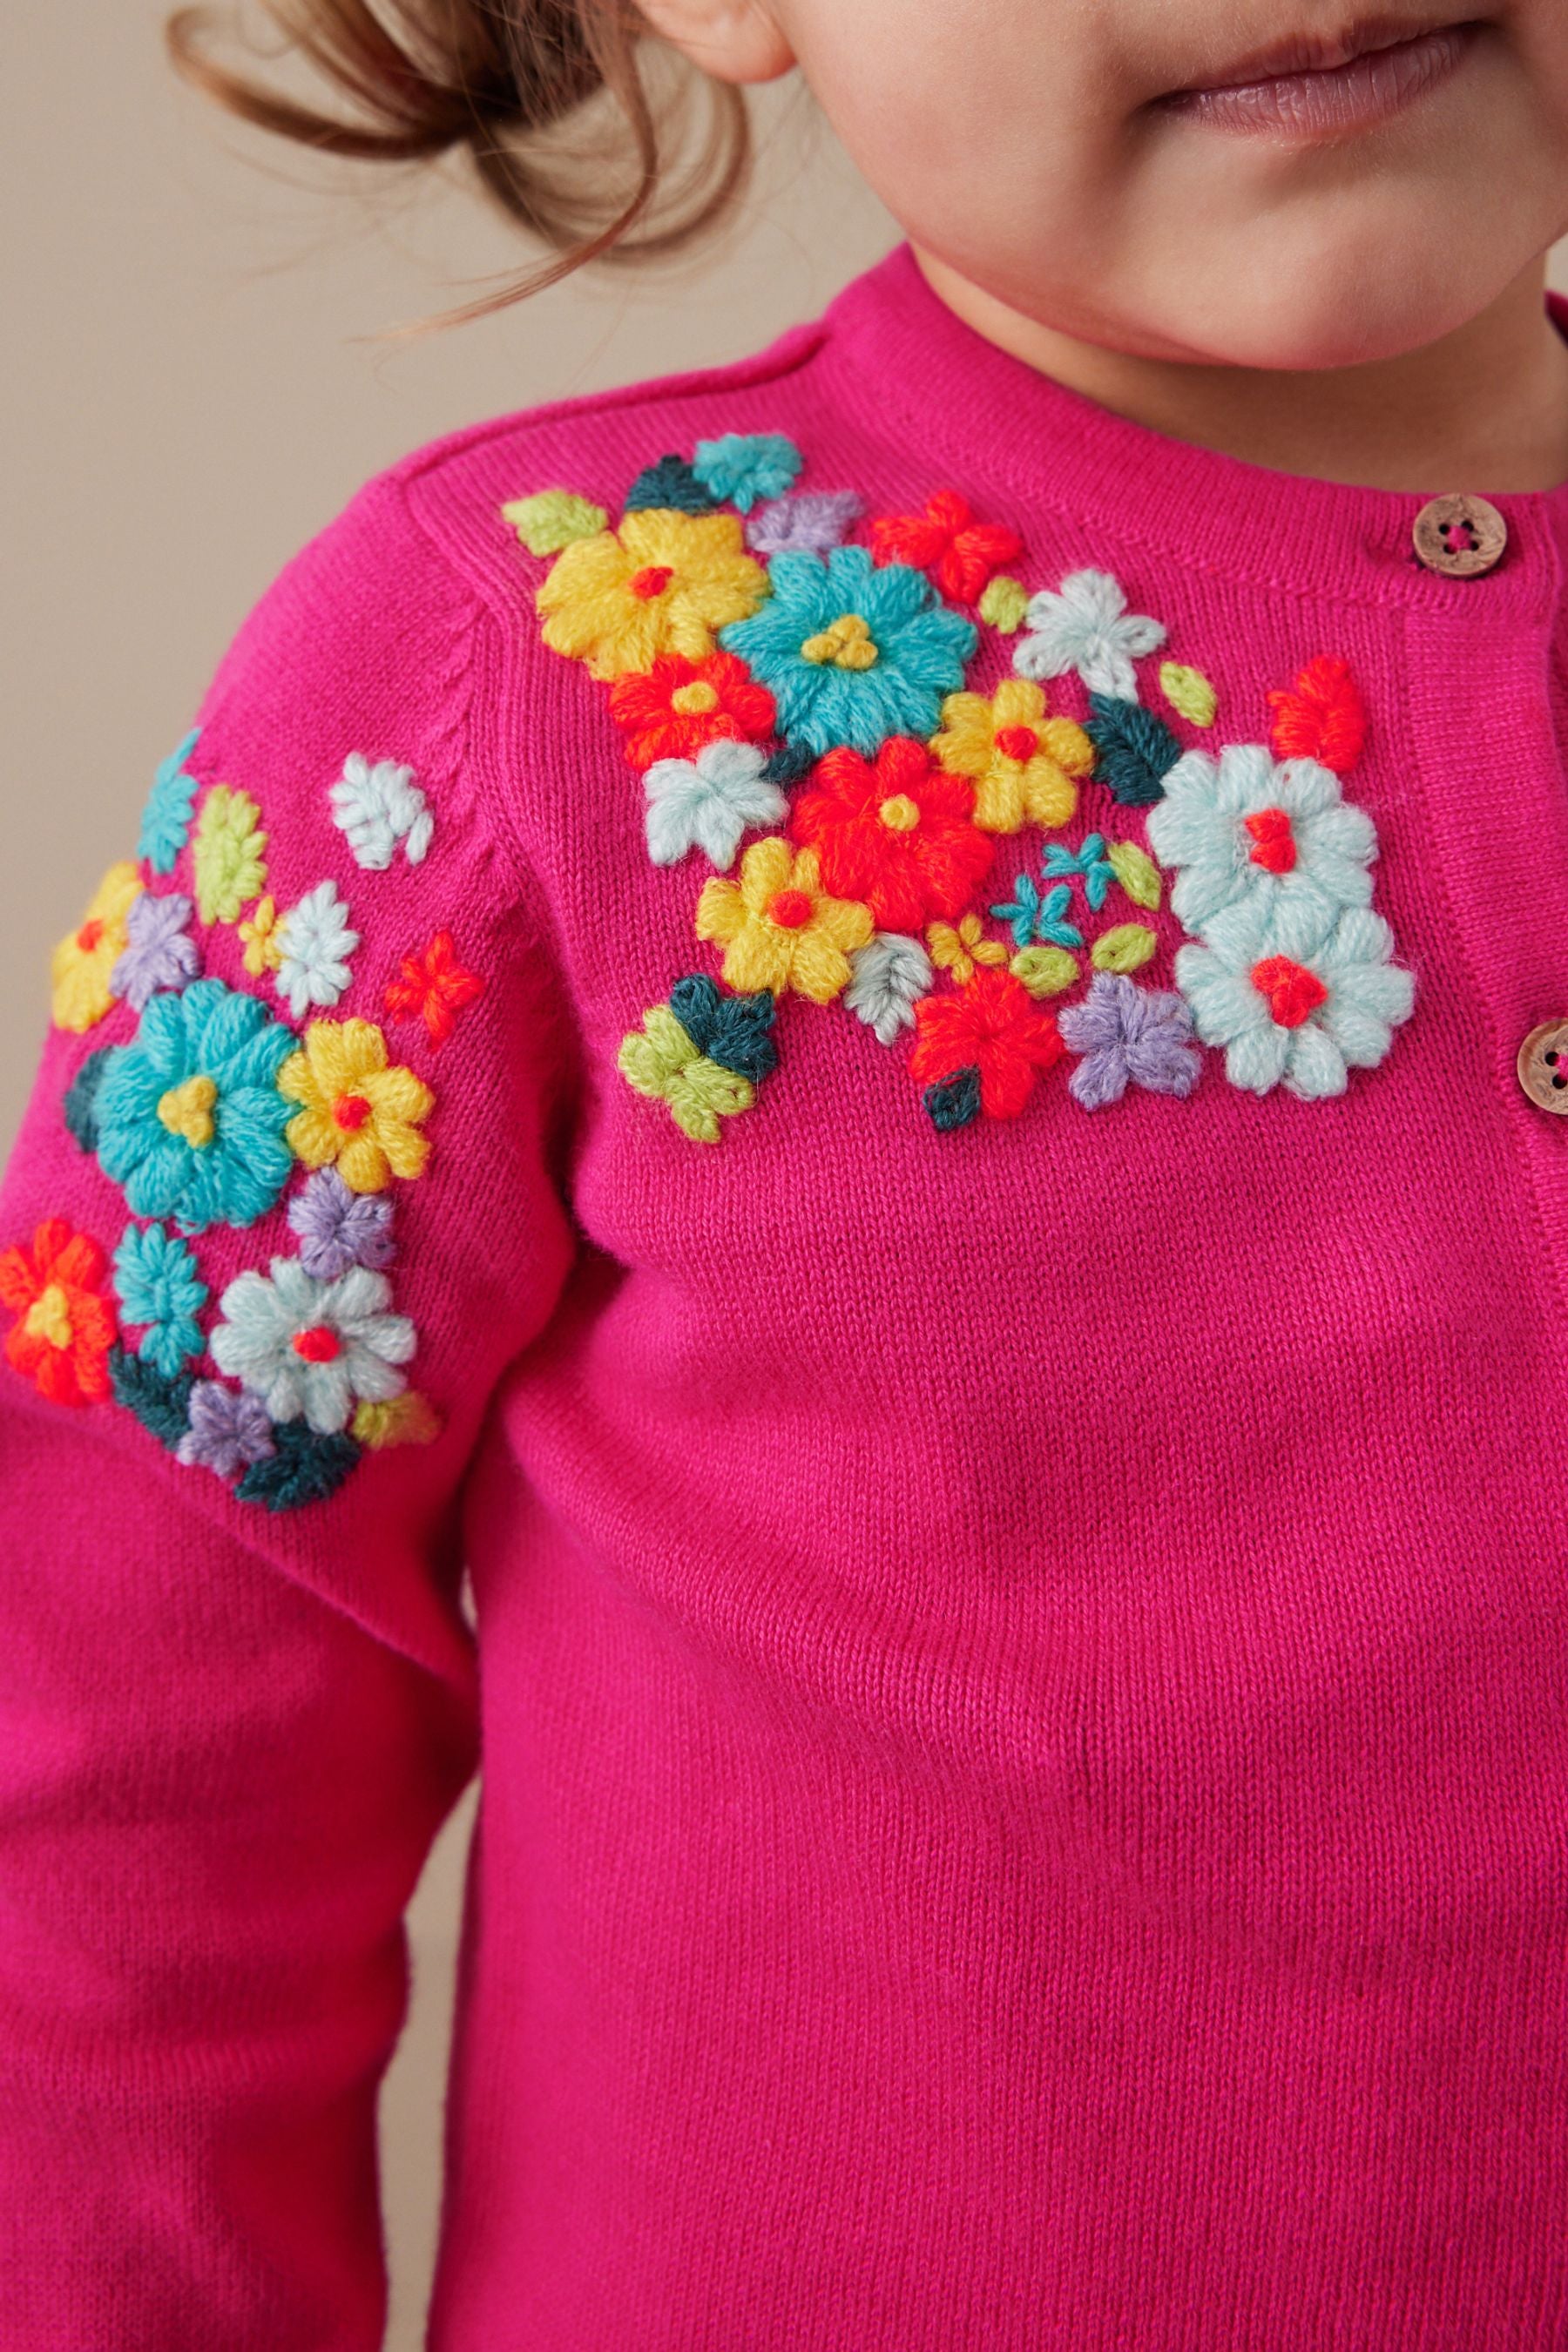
x: 853, y: 651
x: 159, y: 950
x: 167, y: 820
x: 1035, y: 915
x: 708, y: 802
x: 1088, y: 864
x: 308, y: 1348
x: 811, y: 519
x: 315, y: 943
x: 229, y: 1429
x: 190, y: 1122
x: 889, y: 975
x: 1126, y: 1034
x: 746, y: 467
x: 375, y: 806
x: 1290, y: 1001
x: 159, y: 1285
x: 1249, y: 828
x: 1085, y: 625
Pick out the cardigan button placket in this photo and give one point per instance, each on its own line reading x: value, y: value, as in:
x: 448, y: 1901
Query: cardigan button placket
x: 1459, y: 535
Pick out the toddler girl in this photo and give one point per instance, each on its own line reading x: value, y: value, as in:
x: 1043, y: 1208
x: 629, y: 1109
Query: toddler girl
x: 884, y: 1030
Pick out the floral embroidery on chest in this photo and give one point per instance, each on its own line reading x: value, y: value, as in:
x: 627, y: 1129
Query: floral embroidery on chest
x: 977, y: 866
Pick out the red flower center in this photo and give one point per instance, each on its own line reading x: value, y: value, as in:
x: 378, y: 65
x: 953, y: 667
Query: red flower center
x: 1292, y: 990
x: 651, y: 581
x: 1017, y: 742
x: 1273, y: 843
x: 318, y: 1345
x: 350, y: 1112
x: 87, y: 937
x: 789, y: 909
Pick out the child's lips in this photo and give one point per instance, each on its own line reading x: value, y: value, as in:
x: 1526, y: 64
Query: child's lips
x: 1324, y: 101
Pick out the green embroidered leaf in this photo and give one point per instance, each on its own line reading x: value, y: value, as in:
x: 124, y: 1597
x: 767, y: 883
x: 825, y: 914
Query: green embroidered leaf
x: 305, y: 1468
x: 1133, y: 749
x: 1188, y: 691
x: 161, y: 1405
x: 1124, y: 948
x: 552, y: 520
x: 1005, y: 603
x: 1045, y: 971
x: 81, y: 1098
x: 1136, y: 871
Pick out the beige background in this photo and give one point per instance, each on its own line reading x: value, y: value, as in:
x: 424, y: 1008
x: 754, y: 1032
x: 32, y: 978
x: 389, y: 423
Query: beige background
x: 185, y: 401
x: 186, y: 398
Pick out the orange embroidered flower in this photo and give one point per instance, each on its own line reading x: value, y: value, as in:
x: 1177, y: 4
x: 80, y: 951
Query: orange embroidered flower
x: 965, y: 552
x: 64, y: 1327
x: 432, y: 988
x: 663, y: 583
x: 84, y: 960
x: 680, y: 704
x: 895, y: 832
x: 356, y: 1114
x: 780, y: 927
x: 1023, y: 762
x: 990, y: 1026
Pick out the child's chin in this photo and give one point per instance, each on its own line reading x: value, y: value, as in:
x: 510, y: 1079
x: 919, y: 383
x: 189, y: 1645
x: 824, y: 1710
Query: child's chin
x: 1332, y: 313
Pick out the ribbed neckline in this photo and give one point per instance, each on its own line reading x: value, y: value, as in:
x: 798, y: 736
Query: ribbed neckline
x: 980, y: 407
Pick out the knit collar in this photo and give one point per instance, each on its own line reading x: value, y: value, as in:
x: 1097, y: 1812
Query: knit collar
x: 983, y: 411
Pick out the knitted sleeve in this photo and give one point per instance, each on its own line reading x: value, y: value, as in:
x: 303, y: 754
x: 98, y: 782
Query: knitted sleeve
x: 287, y: 1201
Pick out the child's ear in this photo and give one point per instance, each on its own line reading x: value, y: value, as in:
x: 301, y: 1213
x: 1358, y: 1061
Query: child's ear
x: 734, y: 40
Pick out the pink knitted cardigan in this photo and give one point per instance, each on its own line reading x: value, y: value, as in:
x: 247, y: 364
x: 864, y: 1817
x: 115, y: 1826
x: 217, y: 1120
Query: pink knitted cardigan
x: 1003, y: 1406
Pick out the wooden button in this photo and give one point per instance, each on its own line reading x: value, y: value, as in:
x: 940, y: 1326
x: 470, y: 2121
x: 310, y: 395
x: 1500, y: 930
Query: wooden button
x: 1543, y: 1065
x: 1460, y: 534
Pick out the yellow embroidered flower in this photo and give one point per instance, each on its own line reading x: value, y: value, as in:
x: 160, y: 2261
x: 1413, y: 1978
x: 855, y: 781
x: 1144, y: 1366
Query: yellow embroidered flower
x: 1022, y: 762
x: 356, y: 1114
x: 263, y: 948
x: 959, y: 951
x: 229, y: 866
x: 81, y: 964
x: 779, y: 928
x: 661, y: 585
x: 407, y: 1420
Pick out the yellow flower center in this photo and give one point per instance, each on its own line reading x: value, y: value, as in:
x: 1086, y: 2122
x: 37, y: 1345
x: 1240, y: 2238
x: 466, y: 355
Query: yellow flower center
x: 49, y: 1318
x: 900, y: 813
x: 187, y: 1111
x: 848, y: 643
x: 692, y: 701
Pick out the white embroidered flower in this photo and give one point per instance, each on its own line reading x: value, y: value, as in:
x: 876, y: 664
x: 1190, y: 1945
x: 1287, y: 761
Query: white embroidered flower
x: 1291, y: 1002
x: 1248, y: 828
x: 377, y: 806
x: 314, y: 944
x: 309, y: 1348
x: 1085, y: 625
x: 890, y: 973
x: 709, y: 801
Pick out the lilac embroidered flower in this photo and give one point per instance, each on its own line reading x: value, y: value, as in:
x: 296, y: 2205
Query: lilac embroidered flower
x: 159, y: 950
x: 229, y: 1430
x: 1124, y: 1032
x: 813, y: 520
x: 338, y: 1228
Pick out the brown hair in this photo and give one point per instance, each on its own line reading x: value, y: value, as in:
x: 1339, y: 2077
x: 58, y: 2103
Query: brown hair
x: 548, y: 101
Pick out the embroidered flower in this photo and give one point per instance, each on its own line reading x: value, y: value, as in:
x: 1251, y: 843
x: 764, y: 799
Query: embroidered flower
x: 890, y: 973
x: 993, y: 1028
x: 947, y: 538
x: 228, y: 1430
x: 682, y: 705
x: 959, y: 951
x: 259, y: 938
x: 1085, y: 625
x: 377, y: 804
x: 664, y: 1062
x: 1087, y: 864
x: 337, y: 1228
x: 190, y: 1120
x: 1321, y: 717
x: 433, y: 988
x: 82, y: 967
x: 65, y: 1325
x: 746, y: 467
x: 854, y: 652
x: 314, y: 943
x: 1290, y: 1004
x: 159, y: 1285
x: 356, y: 1113
x: 662, y: 583
x: 1004, y: 603
x: 167, y: 820
x: 159, y: 951
x: 808, y: 520
x: 1243, y: 828
x: 1035, y: 914
x: 1023, y: 762
x: 229, y: 866
x: 309, y: 1349
x: 780, y: 927
x: 710, y: 802
x: 1128, y: 1034
x: 895, y: 834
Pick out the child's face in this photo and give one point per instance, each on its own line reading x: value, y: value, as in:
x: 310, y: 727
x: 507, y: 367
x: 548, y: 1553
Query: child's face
x: 1034, y: 149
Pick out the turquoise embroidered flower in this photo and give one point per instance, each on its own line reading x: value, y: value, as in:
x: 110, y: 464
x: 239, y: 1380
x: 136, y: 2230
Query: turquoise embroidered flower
x: 853, y: 651
x: 746, y: 467
x: 167, y: 820
x: 159, y: 1285
x: 190, y: 1122
x: 1087, y: 864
